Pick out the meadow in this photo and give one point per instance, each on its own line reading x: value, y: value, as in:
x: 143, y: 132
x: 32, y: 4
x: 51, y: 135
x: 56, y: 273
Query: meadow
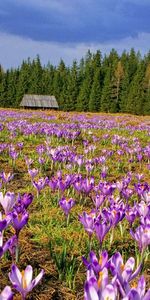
x: 75, y: 205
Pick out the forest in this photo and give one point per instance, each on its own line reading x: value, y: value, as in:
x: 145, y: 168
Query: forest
x: 97, y: 83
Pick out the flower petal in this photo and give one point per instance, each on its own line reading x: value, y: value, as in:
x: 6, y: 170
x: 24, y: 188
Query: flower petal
x: 28, y: 273
x: 6, y: 294
x: 37, y: 279
x: 90, y: 292
x: 15, y: 276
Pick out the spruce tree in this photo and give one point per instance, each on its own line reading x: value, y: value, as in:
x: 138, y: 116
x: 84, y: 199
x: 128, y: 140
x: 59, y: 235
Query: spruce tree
x: 72, y: 87
x: 136, y: 92
x: 106, y: 93
x: 3, y: 90
x: 35, y: 83
x: 23, y: 81
x: 95, y: 96
x: 12, y: 79
x: 85, y: 87
x: 116, y: 87
x: 47, y: 80
x: 124, y: 92
x: 146, y: 87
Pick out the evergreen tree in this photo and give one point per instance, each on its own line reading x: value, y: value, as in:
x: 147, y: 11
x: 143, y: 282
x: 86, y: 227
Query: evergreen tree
x: 12, y: 79
x: 72, y: 88
x: 3, y: 90
x: 35, y: 83
x: 85, y: 87
x: 47, y: 80
x: 133, y: 62
x: 60, y: 84
x: 124, y: 92
x: 95, y: 96
x: 136, y: 92
x: 146, y: 87
x: 106, y: 93
x: 113, y: 83
x: 116, y: 87
x: 23, y: 81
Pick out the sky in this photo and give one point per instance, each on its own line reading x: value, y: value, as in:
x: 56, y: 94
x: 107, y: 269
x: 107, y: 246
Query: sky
x: 66, y: 29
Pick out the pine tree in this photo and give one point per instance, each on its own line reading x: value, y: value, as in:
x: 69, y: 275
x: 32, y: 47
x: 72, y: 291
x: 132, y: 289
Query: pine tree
x: 60, y: 84
x: 72, y: 87
x: 3, y: 90
x: 95, y: 96
x: 116, y: 87
x: 133, y: 63
x: 35, y: 83
x: 106, y: 93
x: 23, y: 81
x: 136, y: 92
x: 124, y: 92
x: 85, y: 87
x: 12, y: 79
x: 47, y: 80
x: 146, y: 87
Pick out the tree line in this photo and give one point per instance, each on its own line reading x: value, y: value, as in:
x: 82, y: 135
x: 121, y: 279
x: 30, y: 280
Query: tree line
x: 112, y: 83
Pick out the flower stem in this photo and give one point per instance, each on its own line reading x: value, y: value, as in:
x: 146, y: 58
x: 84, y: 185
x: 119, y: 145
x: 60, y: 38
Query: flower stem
x: 17, y: 253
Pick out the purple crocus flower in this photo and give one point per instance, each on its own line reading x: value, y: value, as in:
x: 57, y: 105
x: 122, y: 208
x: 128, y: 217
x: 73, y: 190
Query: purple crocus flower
x: 26, y: 200
x: 138, y: 293
x: 143, y: 209
x: 4, y: 222
x: 23, y: 201
x: 134, y: 295
x: 6, y: 177
x: 98, y: 289
x: 19, y: 220
x: 53, y: 183
x: 104, y: 172
x: 141, y: 188
x: 33, y: 172
x: 91, y: 292
x: 142, y: 236
x: 88, y: 221
x: 22, y: 281
x: 120, y: 185
x: 101, y: 230
x: 6, y: 294
x: 114, y: 215
x: 87, y: 185
x: 139, y: 157
x: 40, y: 184
x: 7, y: 201
x: 127, y: 193
x: 66, y: 205
x: 98, y: 200
x: 20, y: 145
x: 139, y: 176
x: 146, y: 197
x: 28, y: 161
x: 94, y: 263
x: 131, y: 214
x: 7, y: 245
x: 41, y: 160
x: 13, y: 154
x: 123, y: 272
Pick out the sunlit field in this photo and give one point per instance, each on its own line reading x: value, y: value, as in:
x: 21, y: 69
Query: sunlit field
x: 75, y: 205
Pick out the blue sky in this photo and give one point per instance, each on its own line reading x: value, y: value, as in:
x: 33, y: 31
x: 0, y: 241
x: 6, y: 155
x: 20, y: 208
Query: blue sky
x: 66, y: 29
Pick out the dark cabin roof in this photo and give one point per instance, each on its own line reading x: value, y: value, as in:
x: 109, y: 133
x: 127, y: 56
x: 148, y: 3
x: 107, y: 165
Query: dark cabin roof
x: 39, y: 101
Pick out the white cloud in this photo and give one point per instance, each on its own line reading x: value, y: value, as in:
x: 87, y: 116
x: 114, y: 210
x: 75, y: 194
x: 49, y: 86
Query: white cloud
x: 14, y: 49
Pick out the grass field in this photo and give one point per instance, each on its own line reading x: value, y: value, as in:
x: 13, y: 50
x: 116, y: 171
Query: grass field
x: 77, y: 166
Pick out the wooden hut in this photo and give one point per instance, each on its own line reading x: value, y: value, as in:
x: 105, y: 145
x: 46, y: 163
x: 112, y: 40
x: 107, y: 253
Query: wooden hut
x: 39, y: 101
